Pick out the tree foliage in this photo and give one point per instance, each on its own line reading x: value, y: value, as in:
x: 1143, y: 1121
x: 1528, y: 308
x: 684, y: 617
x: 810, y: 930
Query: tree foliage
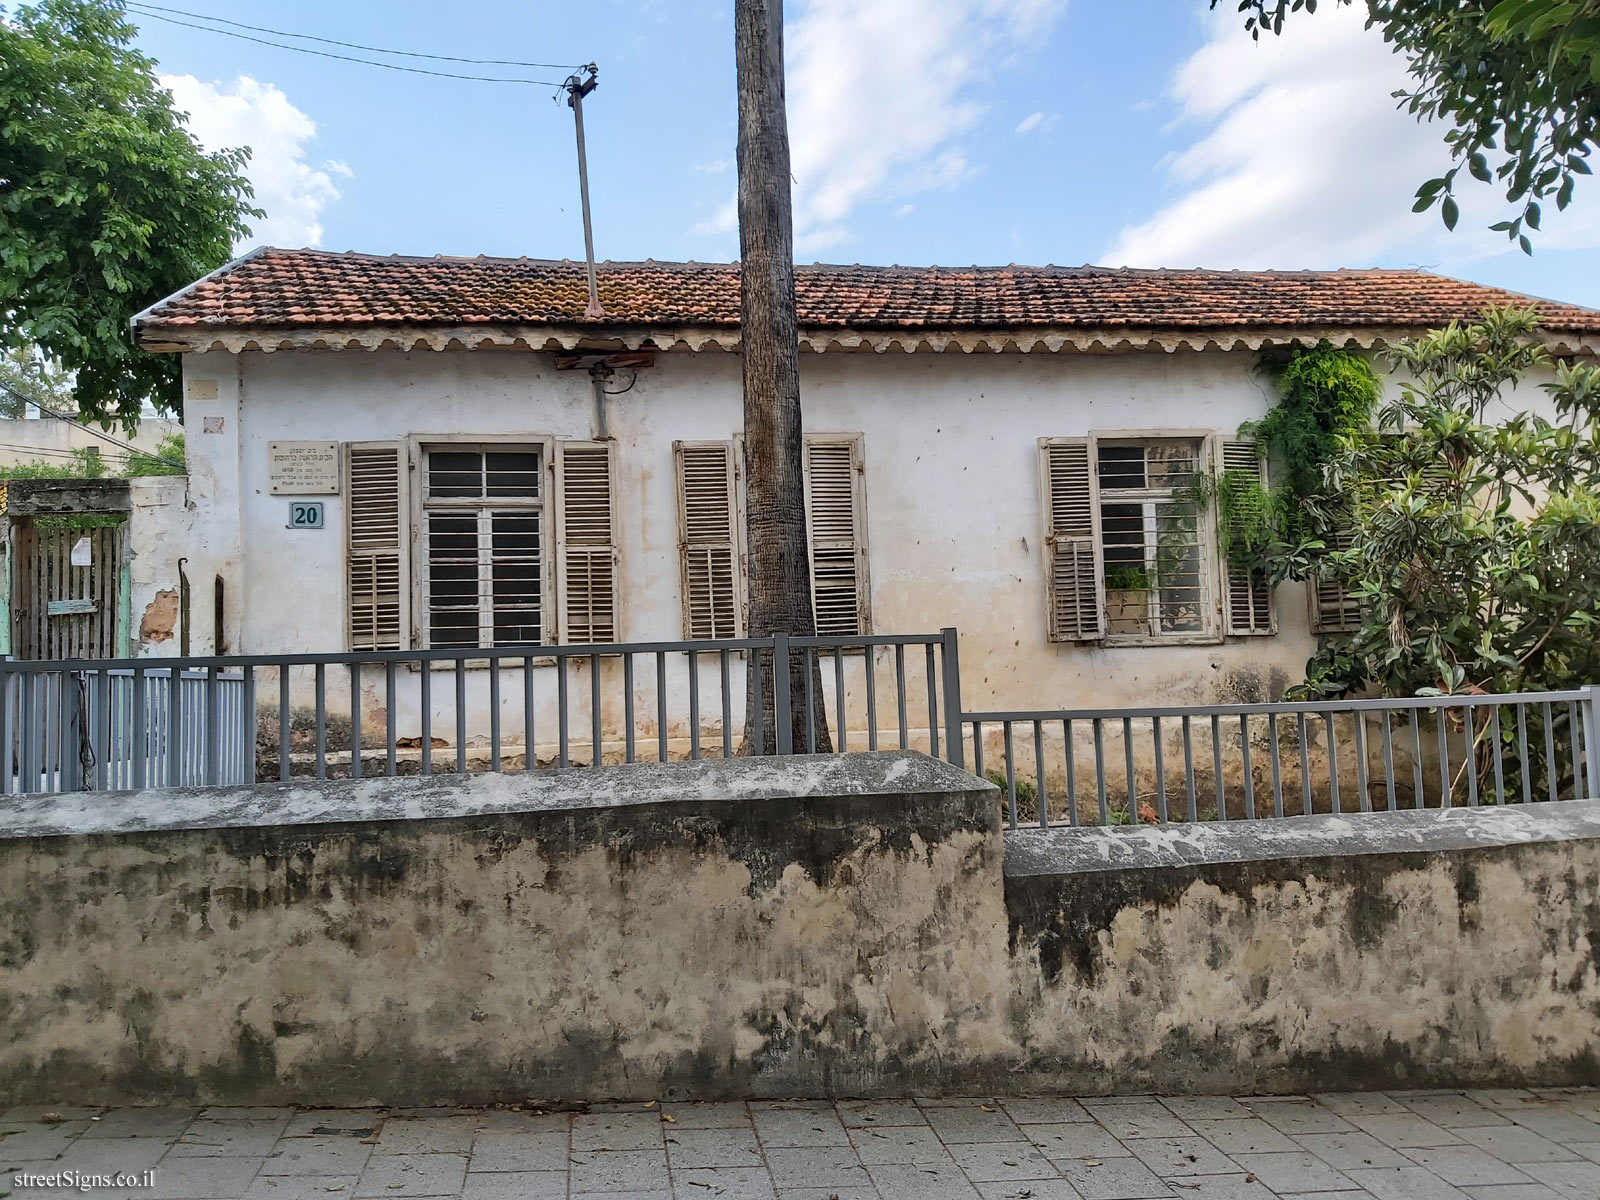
x: 28, y: 379
x: 1476, y: 558
x: 1516, y: 83
x: 106, y: 202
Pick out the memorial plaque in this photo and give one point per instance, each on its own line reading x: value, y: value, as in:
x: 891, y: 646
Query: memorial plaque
x: 303, y: 468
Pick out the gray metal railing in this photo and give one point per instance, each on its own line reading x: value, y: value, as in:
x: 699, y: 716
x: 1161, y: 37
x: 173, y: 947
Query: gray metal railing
x: 1240, y: 761
x: 133, y: 723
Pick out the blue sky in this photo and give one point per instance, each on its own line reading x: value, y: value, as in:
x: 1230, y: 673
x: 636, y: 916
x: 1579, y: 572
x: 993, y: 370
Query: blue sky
x: 1141, y: 132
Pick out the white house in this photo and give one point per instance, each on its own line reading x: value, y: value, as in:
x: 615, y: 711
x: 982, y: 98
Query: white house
x: 984, y: 446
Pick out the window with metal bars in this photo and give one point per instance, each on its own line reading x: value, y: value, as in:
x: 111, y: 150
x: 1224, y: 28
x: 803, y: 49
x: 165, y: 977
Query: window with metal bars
x: 483, y: 545
x: 1129, y: 559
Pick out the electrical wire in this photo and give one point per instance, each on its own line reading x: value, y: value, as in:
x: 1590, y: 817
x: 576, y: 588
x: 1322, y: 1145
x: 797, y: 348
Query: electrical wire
x: 307, y: 37
x: 551, y: 83
x: 99, y: 433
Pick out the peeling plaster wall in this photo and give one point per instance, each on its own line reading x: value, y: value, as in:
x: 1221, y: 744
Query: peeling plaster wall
x: 845, y: 926
x: 710, y: 928
x: 163, y: 527
x: 1412, y: 949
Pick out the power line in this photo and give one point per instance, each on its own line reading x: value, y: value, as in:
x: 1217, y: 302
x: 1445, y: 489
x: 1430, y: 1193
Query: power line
x: 99, y: 433
x: 552, y: 83
x: 153, y: 9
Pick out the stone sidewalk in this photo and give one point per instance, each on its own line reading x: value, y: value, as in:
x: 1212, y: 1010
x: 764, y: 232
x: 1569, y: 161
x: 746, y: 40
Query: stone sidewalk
x: 1496, y: 1145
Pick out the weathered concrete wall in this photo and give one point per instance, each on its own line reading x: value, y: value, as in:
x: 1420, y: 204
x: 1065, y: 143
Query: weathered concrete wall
x: 847, y: 926
x: 47, y: 439
x: 1411, y: 949
x: 821, y: 925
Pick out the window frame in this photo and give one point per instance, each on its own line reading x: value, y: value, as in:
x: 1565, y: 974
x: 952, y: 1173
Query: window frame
x: 418, y: 446
x: 858, y: 499
x: 1214, y: 632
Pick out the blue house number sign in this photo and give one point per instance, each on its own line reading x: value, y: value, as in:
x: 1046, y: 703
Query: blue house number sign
x: 305, y: 514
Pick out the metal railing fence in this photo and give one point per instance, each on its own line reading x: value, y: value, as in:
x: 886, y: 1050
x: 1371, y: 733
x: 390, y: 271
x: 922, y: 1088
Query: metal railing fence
x: 134, y: 723
x: 1239, y: 761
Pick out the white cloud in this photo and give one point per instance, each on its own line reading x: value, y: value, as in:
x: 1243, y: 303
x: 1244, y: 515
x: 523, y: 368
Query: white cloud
x: 248, y: 113
x: 1038, y: 121
x: 905, y: 210
x: 881, y: 93
x: 1304, y: 159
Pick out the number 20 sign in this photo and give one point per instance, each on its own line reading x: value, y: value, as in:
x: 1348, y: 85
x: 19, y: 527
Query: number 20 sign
x: 305, y: 514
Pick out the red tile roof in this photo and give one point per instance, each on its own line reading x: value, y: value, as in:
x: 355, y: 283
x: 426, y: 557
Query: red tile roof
x: 285, y: 289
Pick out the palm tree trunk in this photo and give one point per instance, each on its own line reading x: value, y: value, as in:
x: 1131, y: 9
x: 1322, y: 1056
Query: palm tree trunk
x: 779, y: 570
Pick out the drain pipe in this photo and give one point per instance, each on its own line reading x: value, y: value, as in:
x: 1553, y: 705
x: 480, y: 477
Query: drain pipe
x: 598, y: 374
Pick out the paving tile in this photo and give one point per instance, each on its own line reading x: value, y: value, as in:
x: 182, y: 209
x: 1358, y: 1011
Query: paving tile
x: 990, y: 1162
x: 955, y: 1101
x: 923, y: 1181
x: 1115, y: 1179
x: 37, y: 1141
x: 518, y: 1152
x: 617, y: 1131
x: 1144, y: 1118
x: 898, y: 1144
x: 756, y: 1106
x: 1589, y: 1150
x: 724, y: 1183
x: 31, y: 1113
x: 141, y: 1122
x: 1463, y: 1165
x: 1204, y: 1108
x: 712, y: 1148
x: 1508, y: 1098
x: 1301, y: 1116
x: 1355, y: 1149
x: 1076, y: 1141
x: 1577, y: 1180
x: 860, y: 1114
x: 308, y: 1187
x: 1512, y: 1191
x: 413, y: 1175
x: 972, y: 1123
x: 337, y: 1155
x: 1045, y: 1111
x: 1301, y: 1171
x: 707, y: 1114
x: 215, y: 1139
x: 1170, y: 1157
x: 319, y: 1122
x: 1226, y: 1187
x: 862, y: 1192
x: 1359, y: 1104
x: 1454, y: 1111
x: 789, y: 1128
x: 1404, y: 1130
x: 425, y: 1135
x: 1406, y: 1183
x: 505, y: 1120
x: 100, y: 1155
x: 204, y: 1178
x: 246, y: 1113
x: 649, y: 1194
x: 514, y: 1185
x: 618, y: 1170
x: 1029, y: 1189
x: 815, y: 1166
x: 1517, y: 1144
x: 1249, y: 1136
x: 1560, y: 1125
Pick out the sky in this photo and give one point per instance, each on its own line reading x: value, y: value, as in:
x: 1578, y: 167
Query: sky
x: 1149, y: 133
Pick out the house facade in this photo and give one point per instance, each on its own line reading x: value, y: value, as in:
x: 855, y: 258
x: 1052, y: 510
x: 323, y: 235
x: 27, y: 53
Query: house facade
x: 1002, y: 450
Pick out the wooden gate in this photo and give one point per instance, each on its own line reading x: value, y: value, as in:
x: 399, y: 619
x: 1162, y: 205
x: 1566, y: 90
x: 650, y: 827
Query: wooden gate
x: 65, y: 588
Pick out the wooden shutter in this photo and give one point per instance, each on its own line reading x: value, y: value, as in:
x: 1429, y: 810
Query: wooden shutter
x: 1246, y: 594
x: 836, y: 526
x: 707, y: 531
x: 586, y: 542
x: 377, y: 550
x: 1072, y: 540
x: 1333, y: 608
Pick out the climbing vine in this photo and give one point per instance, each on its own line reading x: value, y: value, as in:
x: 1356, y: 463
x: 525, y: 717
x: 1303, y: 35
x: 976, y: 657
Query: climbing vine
x: 1326, y: 398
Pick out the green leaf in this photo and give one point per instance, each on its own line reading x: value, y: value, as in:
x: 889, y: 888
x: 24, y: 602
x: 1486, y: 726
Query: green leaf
x: 1450, y: 211
x: 1479, y: 166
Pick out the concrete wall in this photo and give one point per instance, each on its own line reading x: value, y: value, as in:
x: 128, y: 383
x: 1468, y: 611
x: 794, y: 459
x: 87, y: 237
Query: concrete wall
x: 47, y: 440
x: 847, y: 926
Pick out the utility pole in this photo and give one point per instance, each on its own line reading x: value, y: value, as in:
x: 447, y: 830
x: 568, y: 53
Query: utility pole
x: 577, y: 89
x: 779, y: 566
